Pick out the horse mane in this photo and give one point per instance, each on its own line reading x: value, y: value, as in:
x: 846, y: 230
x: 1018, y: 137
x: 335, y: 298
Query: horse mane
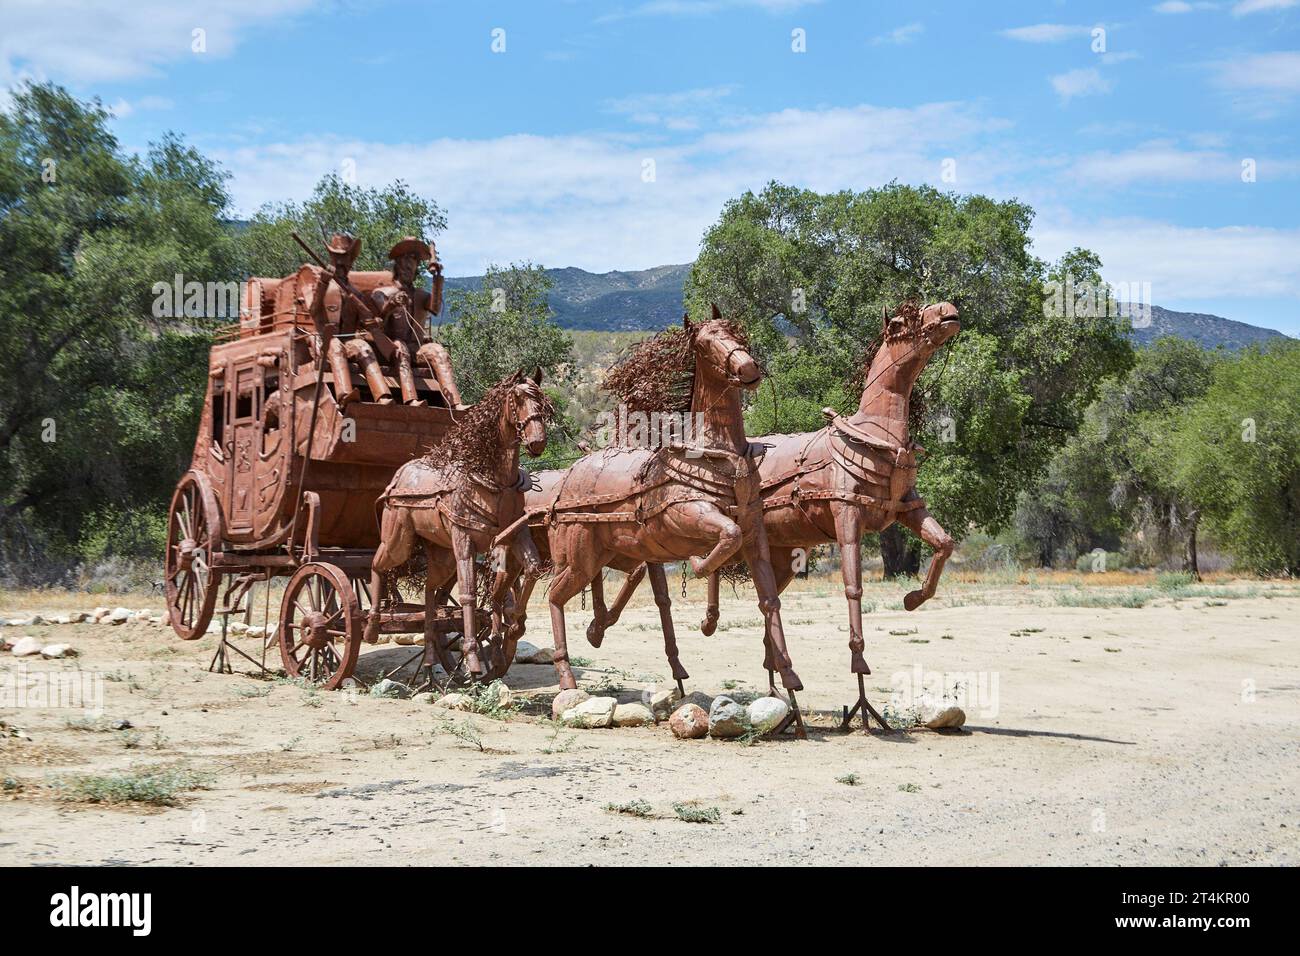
x: 474, y: 444
x: 658, y: 374
x: 855, y: 383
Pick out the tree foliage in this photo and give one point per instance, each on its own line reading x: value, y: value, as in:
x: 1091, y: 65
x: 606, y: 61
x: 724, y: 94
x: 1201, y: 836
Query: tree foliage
x: 1234, y: 453
x: 99, y: 401
x: 810, y: 273
x: 379, y: 216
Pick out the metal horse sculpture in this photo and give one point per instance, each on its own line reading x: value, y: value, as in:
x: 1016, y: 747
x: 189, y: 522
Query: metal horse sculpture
x: 699, y: 502
x: 856, y: 475
x: 458, y: 498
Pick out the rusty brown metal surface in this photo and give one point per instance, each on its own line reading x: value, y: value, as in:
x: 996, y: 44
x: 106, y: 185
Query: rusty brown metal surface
x: 292, y: 452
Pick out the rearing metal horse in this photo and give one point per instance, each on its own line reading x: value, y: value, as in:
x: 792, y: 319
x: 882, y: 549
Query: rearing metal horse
x: 458, y: 498
x: 699, y: 502
x: 856, y: 475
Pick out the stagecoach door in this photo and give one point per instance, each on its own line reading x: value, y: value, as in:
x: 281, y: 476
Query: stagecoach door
x: 243, y: 412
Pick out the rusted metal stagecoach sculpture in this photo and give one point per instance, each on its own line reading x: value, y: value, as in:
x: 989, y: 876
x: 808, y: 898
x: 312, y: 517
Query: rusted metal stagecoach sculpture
x: 854, y: 476
x: 292, y: 455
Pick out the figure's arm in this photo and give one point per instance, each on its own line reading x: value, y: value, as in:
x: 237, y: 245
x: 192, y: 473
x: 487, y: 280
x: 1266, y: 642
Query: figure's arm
x: 435, y: 298
x: 324, y: 327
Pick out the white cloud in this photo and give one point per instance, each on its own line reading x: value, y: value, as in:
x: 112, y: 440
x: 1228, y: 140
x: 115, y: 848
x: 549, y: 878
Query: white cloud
x: 681, y: 110
x: 1181, y: 6
x: 1268, y: 72
x: 1046, y: 33
x: 1161, y: 162
x: 84, y: 41
x: 1082, y: 82
x: 1184, y: 262
x: 1246, y: 7
x: 701, y: 8
x: 582, y: 200
x: 900, y: 35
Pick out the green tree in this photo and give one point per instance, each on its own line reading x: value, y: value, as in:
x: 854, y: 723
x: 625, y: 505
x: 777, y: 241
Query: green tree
x: 378, y: 216
x: 506, y: 324
x: 1234, y: 453
x: 100, y: 399
x: 809, y: 274
x: 1105, y: 480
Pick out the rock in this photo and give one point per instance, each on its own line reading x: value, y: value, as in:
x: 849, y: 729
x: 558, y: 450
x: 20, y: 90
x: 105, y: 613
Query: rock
x: 426, y: 698
x: 238, y: 627
x: 766, y: 713
x: 61, y: 619
x: 100, y: 612
x: 937, y: 713
x: 699, y: 699
x: 58, y: 650
x: 26, y: 646
x: 407, y: 640
x: 118, y: 615
x: 664, y: 701
x: 497, y: 695
x: 633, y: 715
x: 727, y: 718
x: 122, y: 724
x: 526, y: 653
x: 255, y: 633
x: 566, y: 700
x: 78, y: 617
x: 19, y: 622
x: 389, y: 688
x: 689, y: 722
x: 592, y: 712
x: 455, y: 702
x: 37, y: 619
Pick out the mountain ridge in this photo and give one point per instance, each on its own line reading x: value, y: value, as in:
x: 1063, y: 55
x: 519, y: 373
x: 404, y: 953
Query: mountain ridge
x: 642, y: 300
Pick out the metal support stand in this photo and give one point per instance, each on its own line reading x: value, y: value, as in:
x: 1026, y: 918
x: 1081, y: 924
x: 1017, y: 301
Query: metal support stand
x: 864, y: 706
x: 236, y: 602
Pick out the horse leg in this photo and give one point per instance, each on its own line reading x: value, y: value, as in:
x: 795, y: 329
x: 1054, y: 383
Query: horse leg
x: 659, y: 584
x: 922, y: 523
x: 783, y: 570
x: 608, y: 617
x: 596, y: 629
x: 576, y: 563
x: 396, y: 542
x: 769, y: 602
x: 711, y: 523
x: 467, y: 594
x: 710, y: 622
x: 848, y: 532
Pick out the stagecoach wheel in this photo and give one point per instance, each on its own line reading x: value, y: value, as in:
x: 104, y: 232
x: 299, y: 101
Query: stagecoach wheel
x: 320, y: 626
x: 193, y: 534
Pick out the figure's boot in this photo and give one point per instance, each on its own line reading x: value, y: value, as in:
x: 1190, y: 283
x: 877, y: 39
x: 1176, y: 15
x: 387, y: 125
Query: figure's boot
x: 441, y: 363
x: 344, y: 390
x: 406, y: 378
x: 375, y: 379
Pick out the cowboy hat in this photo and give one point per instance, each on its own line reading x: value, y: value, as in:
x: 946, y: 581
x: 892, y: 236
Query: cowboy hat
x: 342, y: 244
x: 408, y: 245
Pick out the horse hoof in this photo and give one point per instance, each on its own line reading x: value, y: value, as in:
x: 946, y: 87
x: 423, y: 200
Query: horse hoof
x: 698, y: 565
x: 858, y: 665
x: 708, y: 626
x: 790, y: 680
x: 679, y: 672
x: 595, y: 635
x: 914, y: 600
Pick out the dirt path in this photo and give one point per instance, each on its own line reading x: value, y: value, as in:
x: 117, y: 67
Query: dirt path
x: 1108, y: 735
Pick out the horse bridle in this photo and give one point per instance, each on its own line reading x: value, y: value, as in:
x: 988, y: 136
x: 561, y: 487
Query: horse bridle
x: 724, y: 369
x: 521, y: 424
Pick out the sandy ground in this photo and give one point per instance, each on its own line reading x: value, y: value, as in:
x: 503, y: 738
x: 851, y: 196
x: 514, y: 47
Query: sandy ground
x: 1165, y: 734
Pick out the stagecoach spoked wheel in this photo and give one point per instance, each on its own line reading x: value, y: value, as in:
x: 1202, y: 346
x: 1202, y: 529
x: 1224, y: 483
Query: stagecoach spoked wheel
x: 193, y: 533
x: 320, y: 626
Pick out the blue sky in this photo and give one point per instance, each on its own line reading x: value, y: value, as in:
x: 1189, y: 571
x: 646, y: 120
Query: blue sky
x: 1129, y: 141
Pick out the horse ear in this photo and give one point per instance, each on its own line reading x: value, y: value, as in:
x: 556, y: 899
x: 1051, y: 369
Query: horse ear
x: 686, y: 321
x: 716, y: 313
x: 884, y: 315
x: 537, y: 375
